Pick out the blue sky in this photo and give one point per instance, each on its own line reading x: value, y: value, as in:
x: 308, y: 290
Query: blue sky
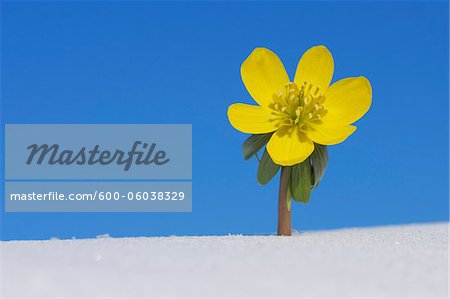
x: 177, y: 62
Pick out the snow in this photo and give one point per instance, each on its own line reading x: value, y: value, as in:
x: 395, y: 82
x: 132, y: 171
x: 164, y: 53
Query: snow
x: 408, y: 260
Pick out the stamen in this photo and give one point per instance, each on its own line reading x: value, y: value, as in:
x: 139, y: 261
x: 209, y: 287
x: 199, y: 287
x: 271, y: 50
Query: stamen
x: 294, y: 106
x: 317, y: 90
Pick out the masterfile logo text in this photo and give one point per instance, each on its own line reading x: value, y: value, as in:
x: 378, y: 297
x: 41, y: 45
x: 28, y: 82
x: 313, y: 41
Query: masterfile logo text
x: 141, y: 153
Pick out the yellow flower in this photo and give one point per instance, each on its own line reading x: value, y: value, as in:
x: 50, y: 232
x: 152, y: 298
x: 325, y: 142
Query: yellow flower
x: 302, y: 112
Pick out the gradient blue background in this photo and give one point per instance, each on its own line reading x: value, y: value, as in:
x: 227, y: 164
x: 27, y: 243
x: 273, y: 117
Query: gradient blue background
x: 151, y: 62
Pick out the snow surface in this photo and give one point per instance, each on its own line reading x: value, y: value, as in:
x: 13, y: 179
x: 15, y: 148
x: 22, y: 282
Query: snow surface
x: 409, y: 260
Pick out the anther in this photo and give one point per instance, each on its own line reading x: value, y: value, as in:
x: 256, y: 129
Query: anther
x: 317, y: 90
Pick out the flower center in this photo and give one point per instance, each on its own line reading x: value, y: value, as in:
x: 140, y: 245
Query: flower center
x: 293, y: 106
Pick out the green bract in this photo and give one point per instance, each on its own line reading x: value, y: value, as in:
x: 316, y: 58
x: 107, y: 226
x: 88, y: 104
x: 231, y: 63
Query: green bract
x: 254, y: 143
x: 304, y: 176
x: 267, y: 169
x: 319, y: 161
x: 300, y: 181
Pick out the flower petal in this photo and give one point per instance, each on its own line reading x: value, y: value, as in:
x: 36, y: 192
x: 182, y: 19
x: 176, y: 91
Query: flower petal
x: 316, y: 67
x: 263, y: 75
x: 328, y: 133
x: 348, y: 100
x: 288, y: 146
x: 250, y: 119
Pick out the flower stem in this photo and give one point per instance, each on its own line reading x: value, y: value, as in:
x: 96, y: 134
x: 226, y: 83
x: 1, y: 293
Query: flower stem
x: 284, y: 214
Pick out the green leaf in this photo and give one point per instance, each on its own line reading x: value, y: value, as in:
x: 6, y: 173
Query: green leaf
x: 267, y: 169
x: 254, y: 143
x: 301, y: 181
x: 319, y: 161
